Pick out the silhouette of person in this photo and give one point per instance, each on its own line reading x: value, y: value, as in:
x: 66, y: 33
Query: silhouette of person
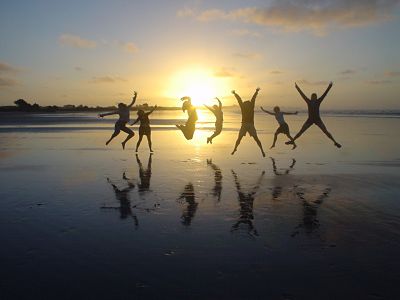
x: 277, y: 190
x: 190, y: 210
x: 217, y: 190
x: 122, y: 195
x: 283, y: 126
x: 144, y: 128
x: 246, y: 201
x: 123, y: 112
x: 219, y: 115
x: 247, y: 109
x: 310, y: 209
x: 314, y: 117
x: 144, y: 174
x: 190, y: 126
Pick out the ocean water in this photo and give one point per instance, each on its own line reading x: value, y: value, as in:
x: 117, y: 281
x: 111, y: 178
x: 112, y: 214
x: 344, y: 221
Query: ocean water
x: 82, y: 220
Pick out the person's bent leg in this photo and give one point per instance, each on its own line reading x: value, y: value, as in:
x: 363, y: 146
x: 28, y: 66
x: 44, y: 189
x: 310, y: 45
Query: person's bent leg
x: 322, y: 126
x: 275, y: 138
x: 130, y: 135
x: 138, y: 142
x: 116, y: 132
x: 292, y: 140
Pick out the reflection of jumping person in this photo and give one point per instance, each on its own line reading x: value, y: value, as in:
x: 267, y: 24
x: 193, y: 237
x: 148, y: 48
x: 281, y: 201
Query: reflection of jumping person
x: 123, y: 112
x: 314, y: 115
x: 144, y: 174
x: 246, y: 201
x: 191, y: 207
x: 283, y: 126
x: 190, y: 126
x: 144, y: 128
x: 217, y: 111
x: 247, y: 108
x: 217, y: 190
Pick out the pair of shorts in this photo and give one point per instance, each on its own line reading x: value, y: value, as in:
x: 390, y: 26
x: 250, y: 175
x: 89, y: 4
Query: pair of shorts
x: 283, y: 128
x: 119, y: 125
x: 144, y: 130
x: 248, y: 128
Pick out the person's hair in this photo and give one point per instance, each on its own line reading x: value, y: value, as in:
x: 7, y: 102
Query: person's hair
x: 140, y: 112
x: 276, y: 108
x: 121, y: 104
x: 186, y: 105
x: 215, y: 106
x: 314, y: 96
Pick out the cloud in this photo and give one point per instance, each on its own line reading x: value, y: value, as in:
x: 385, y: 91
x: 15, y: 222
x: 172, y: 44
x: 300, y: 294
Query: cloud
x: 392, y: 74
x: 7, y: 68
x: 276, y: 72
x: 247, y: 55
x: 106, y: 79
x: 314, y: 83
x: 8, y: 82
x: 76, y: 41
x: 129, y: 47
x: 185, y: 12
x: 309, y: 15
x: 347, y: 72
x: 225, y: 72
x: 245, y: 32
x: 78, y: 69
x: 378, y: 82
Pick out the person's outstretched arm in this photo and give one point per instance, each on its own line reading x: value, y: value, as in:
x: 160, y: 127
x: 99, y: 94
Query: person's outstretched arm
x: 253, y: 99
x: 289, y: 113
x: 239, y: 100
x: 209, y: 108
x: 266, y: 111
x: 219, y: 103
x: 326, y: 92
x: 301, y: 93
x: 133, y: 99
x: 108, y: 114
x: 137, y: 120
x: 154, y: 108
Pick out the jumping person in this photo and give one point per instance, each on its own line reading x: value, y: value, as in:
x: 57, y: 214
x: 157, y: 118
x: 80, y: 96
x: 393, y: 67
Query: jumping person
x: 144, y: 128
x: 314, y: 115
x: 247, y: 108
x: 190, y: 126
x: 283, y: 126
x: 123, y: 112
x: 219, y: 115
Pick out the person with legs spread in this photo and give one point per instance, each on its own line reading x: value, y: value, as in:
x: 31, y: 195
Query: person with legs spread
x: 314, y: 115
x: 283, y: 126
x: 144, y: 128
x: 247, y: 108
x: 219, y: 115
x: 190, y: 126
x: 123, y: 112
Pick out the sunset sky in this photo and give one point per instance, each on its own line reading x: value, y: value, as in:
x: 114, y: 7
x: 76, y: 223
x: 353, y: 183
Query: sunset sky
x: 98, y: 52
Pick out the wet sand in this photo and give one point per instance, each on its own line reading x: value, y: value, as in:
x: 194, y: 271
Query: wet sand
x: 79, y: 219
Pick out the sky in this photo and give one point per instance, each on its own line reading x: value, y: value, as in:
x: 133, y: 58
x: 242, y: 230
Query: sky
x: 99, y: 52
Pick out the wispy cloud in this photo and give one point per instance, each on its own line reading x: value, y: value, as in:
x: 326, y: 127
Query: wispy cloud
x: 129, y: 47
x: 247, y: 55
x: 347, y: 72
x: 378, y: 82
x: 392, y: 74
x: 77, y: 68
x: 7, y: 68
x: 310, y: 15
x: 225, y: 72
x: 275, y: 72
x: 185, y: 12
x: 8, y: 82
x: 314, y: 83
x: 76, y: 41
x: 106, y: 79
x: 245, y: 32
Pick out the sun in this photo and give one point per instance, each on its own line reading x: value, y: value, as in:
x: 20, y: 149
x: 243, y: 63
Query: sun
x: 197, y: 83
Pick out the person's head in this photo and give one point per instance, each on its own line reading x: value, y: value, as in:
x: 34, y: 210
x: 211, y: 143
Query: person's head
x: 215, y: 106
x: 186, y: 105
x: 246, y: 104
x: 314, y: 96
x: 277, y: 109
x: 121, y: 105
x: 140, y: 112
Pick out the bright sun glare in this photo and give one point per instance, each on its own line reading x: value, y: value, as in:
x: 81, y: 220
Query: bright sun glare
x: 199, y: 84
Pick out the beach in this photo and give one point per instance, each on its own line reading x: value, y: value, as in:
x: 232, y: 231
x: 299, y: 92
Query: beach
x: 193, y: 222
